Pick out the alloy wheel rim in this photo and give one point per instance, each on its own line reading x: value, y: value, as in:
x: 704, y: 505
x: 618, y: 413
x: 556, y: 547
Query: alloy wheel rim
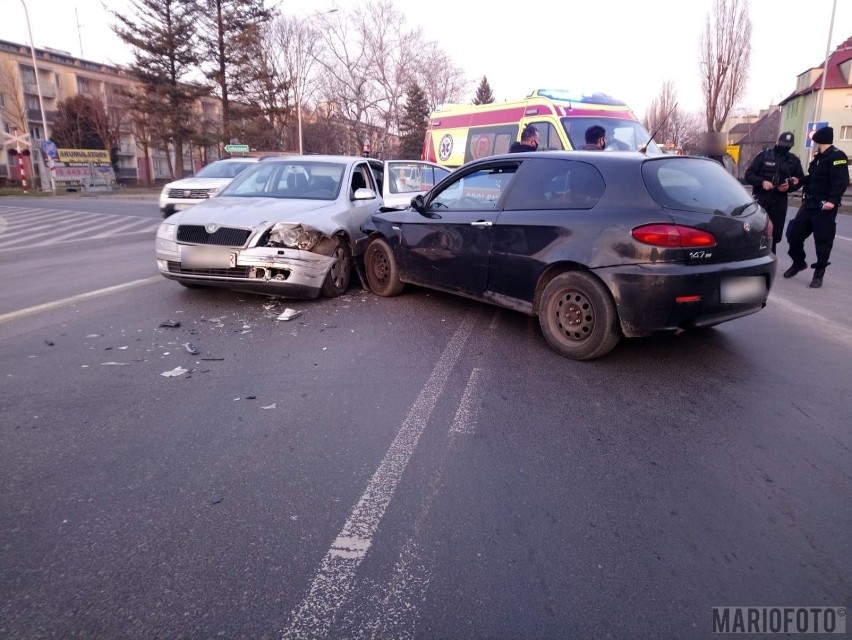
x: 339, y: 267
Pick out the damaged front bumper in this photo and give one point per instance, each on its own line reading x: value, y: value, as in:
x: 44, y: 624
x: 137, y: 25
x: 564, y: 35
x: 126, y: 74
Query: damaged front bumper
x: 283, y: 271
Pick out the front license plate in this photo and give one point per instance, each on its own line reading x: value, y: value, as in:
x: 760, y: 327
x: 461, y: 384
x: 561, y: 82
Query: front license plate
x: 207, y: 258
x: 743, y: 289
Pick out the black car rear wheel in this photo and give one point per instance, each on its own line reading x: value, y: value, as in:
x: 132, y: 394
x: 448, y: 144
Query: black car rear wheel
x: 381, y: 268
x: 337, y: 279
x: 578, y: 316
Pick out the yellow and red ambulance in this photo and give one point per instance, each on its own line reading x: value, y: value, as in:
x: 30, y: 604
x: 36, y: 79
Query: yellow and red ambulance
x: 461, y: 133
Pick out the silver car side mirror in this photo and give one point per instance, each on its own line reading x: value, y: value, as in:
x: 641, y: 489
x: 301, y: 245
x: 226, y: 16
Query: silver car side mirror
x: 364, y: 194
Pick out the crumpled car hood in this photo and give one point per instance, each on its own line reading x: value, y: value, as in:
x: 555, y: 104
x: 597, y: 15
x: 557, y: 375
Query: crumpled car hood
x: 247, y: 212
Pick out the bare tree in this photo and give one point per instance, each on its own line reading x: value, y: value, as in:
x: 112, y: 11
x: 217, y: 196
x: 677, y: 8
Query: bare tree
x: 441, y: 80
x: 661, y: 115
x: 348, y: 78
x: 725, y: 58
x: 689, y: 131
x: 394, y: 51
x: 15, y: 112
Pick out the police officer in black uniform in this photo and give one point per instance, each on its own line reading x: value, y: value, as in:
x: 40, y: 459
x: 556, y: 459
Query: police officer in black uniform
x: 827, y: 179
x: 773, y: 174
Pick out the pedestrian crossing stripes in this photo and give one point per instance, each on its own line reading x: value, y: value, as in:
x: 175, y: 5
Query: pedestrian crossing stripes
x: 30, y: 227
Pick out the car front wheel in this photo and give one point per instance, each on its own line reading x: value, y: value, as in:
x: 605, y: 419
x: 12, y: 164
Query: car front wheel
x: 578, y: 316
x: 381, y: 269
x: 337, y: 279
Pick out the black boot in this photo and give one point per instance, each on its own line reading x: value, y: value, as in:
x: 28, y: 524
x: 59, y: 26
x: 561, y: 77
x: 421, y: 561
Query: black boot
x: 794, y: 269
x: 816, y: 283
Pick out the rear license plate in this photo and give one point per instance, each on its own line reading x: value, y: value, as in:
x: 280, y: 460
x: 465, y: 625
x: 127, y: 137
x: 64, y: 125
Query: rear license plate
x: 743, y: 289
x: 207, y: 258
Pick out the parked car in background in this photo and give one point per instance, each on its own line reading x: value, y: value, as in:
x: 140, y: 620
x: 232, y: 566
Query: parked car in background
x: 184, y: 193
x: 406, y: 179
x: 597, y: 245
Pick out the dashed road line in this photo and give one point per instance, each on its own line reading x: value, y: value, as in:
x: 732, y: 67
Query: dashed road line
x: 465, y: 419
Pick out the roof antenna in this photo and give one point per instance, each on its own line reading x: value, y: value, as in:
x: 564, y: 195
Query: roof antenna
x: 644, y: 148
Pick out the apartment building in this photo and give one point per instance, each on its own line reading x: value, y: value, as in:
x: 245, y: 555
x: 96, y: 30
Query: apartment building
x: 61, y: 76
x: 799, y: 108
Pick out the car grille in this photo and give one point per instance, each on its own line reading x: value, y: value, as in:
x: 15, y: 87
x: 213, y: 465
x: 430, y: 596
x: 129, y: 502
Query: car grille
x: 193, y: 194
x: 236, y: 272
x: 223, y: 236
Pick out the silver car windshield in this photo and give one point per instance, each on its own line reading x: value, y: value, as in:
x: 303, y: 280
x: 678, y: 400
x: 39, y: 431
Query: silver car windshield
x: 292, y: 180
x: 223, y: 169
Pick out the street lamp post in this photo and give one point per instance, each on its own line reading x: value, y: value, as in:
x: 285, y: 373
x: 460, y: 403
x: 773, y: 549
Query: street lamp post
x: 818, y: 106
x: 38, y: 90
x: 299, y: 72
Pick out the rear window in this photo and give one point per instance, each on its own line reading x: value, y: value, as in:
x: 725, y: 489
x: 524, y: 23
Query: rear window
x: 694, y: 184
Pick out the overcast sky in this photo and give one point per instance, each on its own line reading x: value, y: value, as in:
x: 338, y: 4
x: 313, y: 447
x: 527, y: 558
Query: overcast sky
x: 626, y: 48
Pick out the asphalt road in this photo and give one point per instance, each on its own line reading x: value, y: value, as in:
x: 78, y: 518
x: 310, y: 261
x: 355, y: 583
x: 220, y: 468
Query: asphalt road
x: 416, y: 467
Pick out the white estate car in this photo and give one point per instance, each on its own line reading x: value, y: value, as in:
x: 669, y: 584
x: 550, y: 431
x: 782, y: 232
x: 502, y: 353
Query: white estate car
x: 184, y: 193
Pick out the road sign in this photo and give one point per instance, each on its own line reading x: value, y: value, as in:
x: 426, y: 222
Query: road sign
x: 236, y: 148
x: 812, y: 127
x: 23, y: 139
x: 49, y: 148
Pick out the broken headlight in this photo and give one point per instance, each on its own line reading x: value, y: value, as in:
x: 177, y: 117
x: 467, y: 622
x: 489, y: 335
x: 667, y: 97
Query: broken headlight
x: 293, y: 236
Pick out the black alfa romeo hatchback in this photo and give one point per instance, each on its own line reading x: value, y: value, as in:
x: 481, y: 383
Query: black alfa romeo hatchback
x: 597, y: 245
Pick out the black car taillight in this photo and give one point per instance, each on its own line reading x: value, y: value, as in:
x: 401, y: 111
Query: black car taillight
x: 673, y: 236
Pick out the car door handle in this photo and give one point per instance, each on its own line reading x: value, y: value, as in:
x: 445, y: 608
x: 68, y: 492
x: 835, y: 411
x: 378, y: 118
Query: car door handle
x: 481, y: 223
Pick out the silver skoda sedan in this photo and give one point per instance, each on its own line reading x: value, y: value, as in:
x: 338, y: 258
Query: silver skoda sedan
x: 286, y: 226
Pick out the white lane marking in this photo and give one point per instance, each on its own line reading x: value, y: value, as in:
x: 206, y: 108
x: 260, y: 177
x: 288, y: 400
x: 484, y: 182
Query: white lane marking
x: 844, y: 238
x: 336, y: 576
x: 465, y: 419
x: 832, y: 329
x: 56, y: 304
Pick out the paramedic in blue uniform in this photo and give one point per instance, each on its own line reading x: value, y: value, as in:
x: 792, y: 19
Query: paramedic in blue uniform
x: 827, y: 179
x: 773, y: 174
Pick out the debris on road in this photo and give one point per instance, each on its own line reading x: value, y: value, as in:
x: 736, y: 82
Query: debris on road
x: 190, y: 348
x: 173, y: 373
x: 170, y: 324
x: 49, y: 343
x: 251, y: 397
x: 215, y: 320
x: 210, y: 359
x: 216, y: 498
x: 115, y: 364
x: 94, y: 335
x: 289, y: 314
x: 272, y: 406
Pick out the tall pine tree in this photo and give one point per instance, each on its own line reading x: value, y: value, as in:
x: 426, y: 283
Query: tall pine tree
x: 413, y: 123
x: 162, y: 34
x: 230, y: 39
x: 483, y: 93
